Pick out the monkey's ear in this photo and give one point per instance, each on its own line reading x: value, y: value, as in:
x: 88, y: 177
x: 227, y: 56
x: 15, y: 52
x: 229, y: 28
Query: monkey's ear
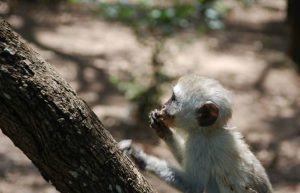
x: 207, y: 114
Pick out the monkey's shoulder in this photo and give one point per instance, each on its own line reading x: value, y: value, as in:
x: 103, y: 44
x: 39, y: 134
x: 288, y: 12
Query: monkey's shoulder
x: 223, y: 152
x: 226, y: 142
x: 216, y: 152
x: 236, y: 167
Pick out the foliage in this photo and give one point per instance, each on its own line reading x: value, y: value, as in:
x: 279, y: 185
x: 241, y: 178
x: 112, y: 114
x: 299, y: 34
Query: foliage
x: 144, y: 97
x: 158, y: 21
x: 164, y: 20
x: 247, y: 2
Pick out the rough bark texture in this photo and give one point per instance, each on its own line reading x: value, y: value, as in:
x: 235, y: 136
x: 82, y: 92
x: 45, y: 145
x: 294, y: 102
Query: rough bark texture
x: 57, y: 131
x: 293, y: 16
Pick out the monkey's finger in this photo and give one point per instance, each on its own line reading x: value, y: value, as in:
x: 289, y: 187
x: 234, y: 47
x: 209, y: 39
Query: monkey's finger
x: 152, y: 115
x: 153, y: 119
x: 125, y: 144
x: 155, y: 114
x: 133, y: 151
x: 158, y: 125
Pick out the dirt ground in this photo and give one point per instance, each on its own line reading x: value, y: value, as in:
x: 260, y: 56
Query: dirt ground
x: 247, y: 57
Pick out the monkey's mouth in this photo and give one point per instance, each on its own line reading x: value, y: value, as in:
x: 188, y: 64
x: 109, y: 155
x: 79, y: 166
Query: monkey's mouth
x: 166, y: 118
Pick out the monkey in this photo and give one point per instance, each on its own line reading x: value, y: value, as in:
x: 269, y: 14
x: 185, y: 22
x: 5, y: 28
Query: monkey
x: 213, y: 157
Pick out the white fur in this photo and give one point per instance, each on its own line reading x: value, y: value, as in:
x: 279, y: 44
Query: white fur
x: 213, y: 158
x: 225, y: 157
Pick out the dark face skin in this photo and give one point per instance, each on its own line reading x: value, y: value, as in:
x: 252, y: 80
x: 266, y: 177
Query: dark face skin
x: 161, y: 120
x: 206, y: 114
x: 168, y: 111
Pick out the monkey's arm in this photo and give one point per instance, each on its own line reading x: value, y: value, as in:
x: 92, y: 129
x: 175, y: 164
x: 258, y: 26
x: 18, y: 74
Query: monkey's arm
x: 173, y: 176
x: 248, y: 184
x: 258, y: 180
x: 259, y: 187
x: 174, y: 142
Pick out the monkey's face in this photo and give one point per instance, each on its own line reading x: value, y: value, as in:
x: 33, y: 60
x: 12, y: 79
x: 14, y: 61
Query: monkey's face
x: 169, y: 110
x: 197, y: 102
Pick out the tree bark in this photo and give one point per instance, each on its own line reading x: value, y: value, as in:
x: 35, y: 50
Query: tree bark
x: 293, y: 16
x: 56, y: 130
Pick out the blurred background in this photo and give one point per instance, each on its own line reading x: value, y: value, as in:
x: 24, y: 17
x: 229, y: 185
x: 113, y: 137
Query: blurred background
x: 122, y: 57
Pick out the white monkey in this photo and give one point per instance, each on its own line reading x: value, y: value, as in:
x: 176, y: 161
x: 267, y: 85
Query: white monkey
x: 213, y: 157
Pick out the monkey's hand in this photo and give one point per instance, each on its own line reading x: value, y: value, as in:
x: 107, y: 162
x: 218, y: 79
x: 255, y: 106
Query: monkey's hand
x: 135, y: 152
x: 156, y: 123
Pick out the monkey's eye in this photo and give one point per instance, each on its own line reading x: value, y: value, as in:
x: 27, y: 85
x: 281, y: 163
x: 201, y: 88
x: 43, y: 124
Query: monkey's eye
x: 173, y: 97
x: 171, y: 100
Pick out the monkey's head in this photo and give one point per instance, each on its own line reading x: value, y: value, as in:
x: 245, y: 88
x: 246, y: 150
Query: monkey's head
x: 197, y: 103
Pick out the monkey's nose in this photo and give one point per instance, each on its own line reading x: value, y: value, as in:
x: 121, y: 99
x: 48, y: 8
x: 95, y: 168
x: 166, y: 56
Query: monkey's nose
x: 165, y: 112
x: 161, y: 111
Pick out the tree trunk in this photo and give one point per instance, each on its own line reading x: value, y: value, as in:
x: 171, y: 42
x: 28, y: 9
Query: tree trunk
x: 56, y: 130
x: 293, y: 16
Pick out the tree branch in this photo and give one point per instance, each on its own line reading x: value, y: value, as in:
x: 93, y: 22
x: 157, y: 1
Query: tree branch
x: 57, y: 131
